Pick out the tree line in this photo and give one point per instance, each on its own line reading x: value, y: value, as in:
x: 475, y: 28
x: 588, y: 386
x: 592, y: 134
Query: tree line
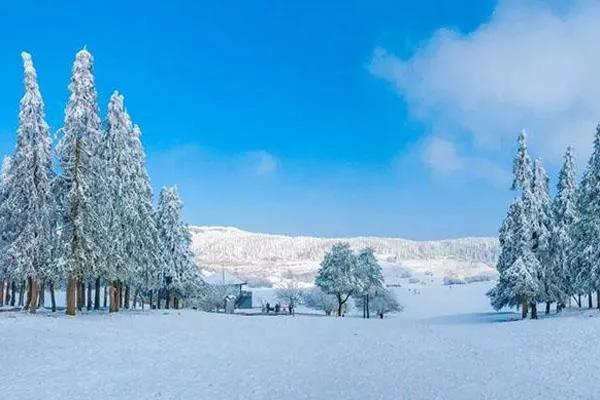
x: 550, y: 247
x: 79, y: 215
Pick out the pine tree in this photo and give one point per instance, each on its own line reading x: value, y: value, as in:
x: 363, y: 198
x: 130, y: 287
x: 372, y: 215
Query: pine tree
x: 518, y: 283
x: 584, y: 256
x: 29, y: 206
x: 338, y: 274
x: 80, y: 186
x: 178, y: 276
x: 565, y: 214
x: 523, y: 237
x: 6, y: 270
x: 542, y: 228
x: 145, y: 233
x: 522, y: 171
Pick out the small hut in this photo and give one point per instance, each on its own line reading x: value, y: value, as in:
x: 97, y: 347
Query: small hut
x: 233, y: 285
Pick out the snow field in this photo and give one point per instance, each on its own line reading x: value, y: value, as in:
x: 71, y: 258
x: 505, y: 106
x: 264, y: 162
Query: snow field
x: 446, y: 345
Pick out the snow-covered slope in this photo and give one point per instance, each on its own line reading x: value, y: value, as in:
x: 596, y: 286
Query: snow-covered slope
x: 272, y: 257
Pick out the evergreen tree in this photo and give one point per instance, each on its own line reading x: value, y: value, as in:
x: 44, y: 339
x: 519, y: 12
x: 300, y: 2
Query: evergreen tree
x: 178, y: 276
x: 524, y: 236
x: 585, y: 234
x: 565, y: 214
x: 518, y: 283
x: 338, y: 274
x: 29, y: 206
x: 541, y: 231
x: 80, y: 185
x: 522, y: 171
x: 145, y: 260
x: 7, y: 272
x: 119, y: 206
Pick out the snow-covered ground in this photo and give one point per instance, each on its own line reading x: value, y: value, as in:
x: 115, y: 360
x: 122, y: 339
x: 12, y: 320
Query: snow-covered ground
x: 447, y: 344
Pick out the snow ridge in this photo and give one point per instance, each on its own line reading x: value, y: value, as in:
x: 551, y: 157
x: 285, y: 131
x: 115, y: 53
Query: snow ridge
x: 269, y: 255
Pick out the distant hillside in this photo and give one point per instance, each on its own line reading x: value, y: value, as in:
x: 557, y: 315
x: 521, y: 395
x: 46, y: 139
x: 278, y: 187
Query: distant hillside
x: 272, y: 257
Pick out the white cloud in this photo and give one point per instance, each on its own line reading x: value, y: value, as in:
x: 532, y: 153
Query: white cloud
x: 263, y: 162
x: 442, y: 157
x: 530, y: 66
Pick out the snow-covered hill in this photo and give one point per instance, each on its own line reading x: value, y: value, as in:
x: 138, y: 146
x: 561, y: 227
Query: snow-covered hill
x: 259, y: 256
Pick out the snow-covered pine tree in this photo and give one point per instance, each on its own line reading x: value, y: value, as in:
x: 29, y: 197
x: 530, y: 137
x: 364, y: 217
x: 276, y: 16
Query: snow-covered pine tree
x: 145, y: 260
x: 564, y: 208
x: 519, y: 283
x: 369, y: 276
x: 585, y: 234
x: 6, y: 270
x: 119, y: 204
x: 80, y: 185
x: 522, y: 171
x: 29, y: 205
x: 519, y: 269
x: 178, y: 275
x: 541, y: 231
x: 338, y: 274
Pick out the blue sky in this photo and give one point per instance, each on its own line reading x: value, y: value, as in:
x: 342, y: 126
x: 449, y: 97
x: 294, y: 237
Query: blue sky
x: 329, y: 118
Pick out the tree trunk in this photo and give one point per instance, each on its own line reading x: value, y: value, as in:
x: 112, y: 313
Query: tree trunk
x: 21, y: 293
x: 33, y: 296
x: 13, y: 296
x: 135, y: 299
x: 105, y: 296
x: 167, y: 299
x: 120, y: 297
x: 7, y: 294
x: 1, y: 293
x: 80, y: 294
x: 150, y: 299
x: 598, y: 298
x: 89, y: 296
x: 42, y: 295
x: 97, y: 295
x: 52, y: 298
x: 364, y: 306
x: 29, y: 294
x: 127, y: 297
x: 547, y: 307
x: 590, y: 305
x: 71, y: 296
x: 534, y: 311
x: 176, y: 303
x: 368, y: 311
x: 579, y: 300
x: 115, y: 296
x: 339, y: 309
x: 524, y: 310
x: 158, y: 301
x: 381, y: 315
